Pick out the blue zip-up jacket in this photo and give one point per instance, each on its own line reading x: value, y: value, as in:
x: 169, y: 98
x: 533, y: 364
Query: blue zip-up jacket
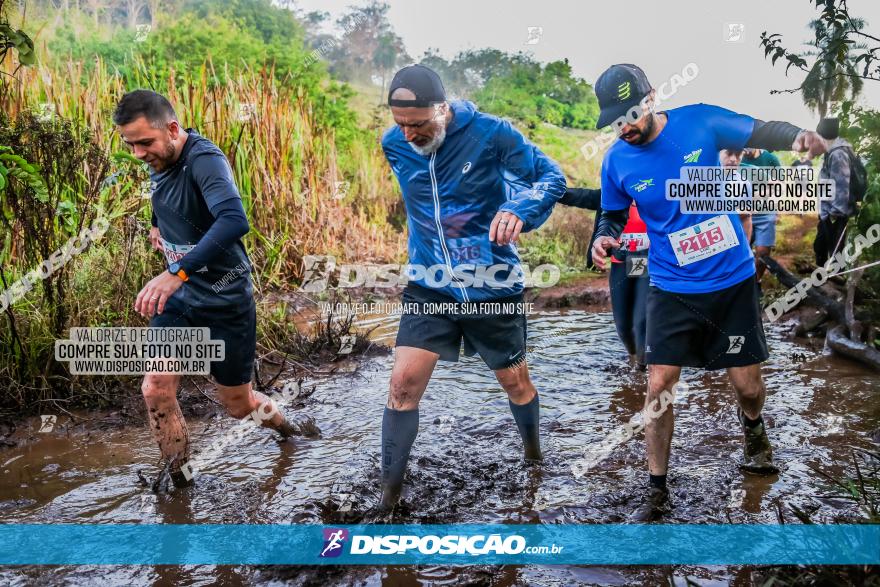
x: 484, y: 165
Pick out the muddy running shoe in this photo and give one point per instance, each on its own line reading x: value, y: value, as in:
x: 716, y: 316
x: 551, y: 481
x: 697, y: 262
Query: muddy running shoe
x: 170, y: 471
x: 757, y: 452
x: 304, y: 426
x: 654, y: 505
x: 179, y: 479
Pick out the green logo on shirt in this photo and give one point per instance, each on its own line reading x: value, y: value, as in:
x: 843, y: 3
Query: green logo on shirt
x: 693, y: 156
x: 642, y: 184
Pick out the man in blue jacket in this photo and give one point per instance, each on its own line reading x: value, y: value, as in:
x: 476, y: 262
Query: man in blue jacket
x: 471, y: 183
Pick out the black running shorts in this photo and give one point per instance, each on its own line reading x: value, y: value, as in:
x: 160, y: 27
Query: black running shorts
x: 713, y: 330
x: 235, y: 325
x: 496, y: 329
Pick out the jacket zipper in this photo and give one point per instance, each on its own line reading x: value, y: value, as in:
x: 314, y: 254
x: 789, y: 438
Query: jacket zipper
x: 435, y: 193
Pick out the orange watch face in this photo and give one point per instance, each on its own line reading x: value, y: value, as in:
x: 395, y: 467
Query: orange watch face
x: 182, y: 274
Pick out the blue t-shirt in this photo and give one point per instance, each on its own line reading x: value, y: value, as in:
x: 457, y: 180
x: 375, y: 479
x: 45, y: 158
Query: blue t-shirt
x: 693, y: 135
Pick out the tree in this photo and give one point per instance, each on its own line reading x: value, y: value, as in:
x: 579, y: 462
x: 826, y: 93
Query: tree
x: 832, y: 77
x: 132, y: 11
x: 385, y: 58
x: 12, y: 38
x: 845, y: 55
x: 368, y: 40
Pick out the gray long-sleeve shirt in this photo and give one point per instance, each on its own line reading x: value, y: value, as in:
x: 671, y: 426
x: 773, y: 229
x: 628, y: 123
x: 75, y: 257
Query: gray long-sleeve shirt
x: 837, y: 169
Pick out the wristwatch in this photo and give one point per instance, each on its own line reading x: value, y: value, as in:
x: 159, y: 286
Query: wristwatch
x: 175, y: 269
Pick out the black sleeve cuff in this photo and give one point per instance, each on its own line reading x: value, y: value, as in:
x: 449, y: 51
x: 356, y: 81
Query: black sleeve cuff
x: 611, y: 223
x: 587, y: 198
x: 773, y: 135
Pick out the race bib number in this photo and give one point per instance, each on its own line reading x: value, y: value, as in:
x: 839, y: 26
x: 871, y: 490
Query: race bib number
x: 703, y: 240
x: 173, y: 252
x: 634, y: 241
x: 469, y: 251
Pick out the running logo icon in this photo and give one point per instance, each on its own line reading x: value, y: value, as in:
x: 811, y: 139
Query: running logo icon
x: 317, y: 272
x: 47, y: 423
x: 736, y: 344
x: 623, y: 91
x: 333, y: 540
x: 637, y: 266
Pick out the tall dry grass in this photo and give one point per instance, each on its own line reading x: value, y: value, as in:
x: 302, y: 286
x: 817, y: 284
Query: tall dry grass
x: 305, y: 193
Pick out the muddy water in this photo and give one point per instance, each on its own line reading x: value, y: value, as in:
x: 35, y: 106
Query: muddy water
x: 465, y: 466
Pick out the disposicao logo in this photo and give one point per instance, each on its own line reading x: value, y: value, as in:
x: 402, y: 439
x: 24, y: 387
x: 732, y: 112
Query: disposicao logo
x: 451, y: 544
x: 334, y: 538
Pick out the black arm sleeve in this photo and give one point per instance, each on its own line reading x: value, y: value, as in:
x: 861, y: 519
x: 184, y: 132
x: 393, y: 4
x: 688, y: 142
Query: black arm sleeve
x: 153, y: 220
x: 773, y: 135
x: 611, y: 223
x: 582, y: 198
x: 230, y: 224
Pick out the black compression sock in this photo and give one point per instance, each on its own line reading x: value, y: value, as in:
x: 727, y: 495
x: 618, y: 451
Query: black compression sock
x: 527, y: 418
x: 399, y: 430
x: 748, y: 422
x: 658, y: 481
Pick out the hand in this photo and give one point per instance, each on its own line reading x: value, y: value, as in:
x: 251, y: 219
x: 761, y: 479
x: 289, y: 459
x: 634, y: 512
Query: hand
x: 811, y: 142
x: 156, y: 239
x: 505, y: 228
x: 152, y: 298
x: 600, y: 250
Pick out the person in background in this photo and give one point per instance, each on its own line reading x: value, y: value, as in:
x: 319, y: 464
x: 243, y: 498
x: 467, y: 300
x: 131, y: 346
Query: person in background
x: 833, y: 214
x: 628, y: 281
x: 763, y: 225
x: 734, y: 158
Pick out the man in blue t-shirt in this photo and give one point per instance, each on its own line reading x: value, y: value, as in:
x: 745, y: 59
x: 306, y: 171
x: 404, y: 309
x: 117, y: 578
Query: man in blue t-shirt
x: 702, y: 304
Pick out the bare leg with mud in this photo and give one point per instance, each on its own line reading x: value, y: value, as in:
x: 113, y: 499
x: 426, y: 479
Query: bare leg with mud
x: 658, y: 442
x: 750, y: 395
x: 166, y: 420
x: 242, y: 401
x: 169, y: 427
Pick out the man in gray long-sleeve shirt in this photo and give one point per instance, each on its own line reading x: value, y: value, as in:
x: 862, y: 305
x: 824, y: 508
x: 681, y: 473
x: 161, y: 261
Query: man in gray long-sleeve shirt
x: 198, y: 223
x: 833, y: 214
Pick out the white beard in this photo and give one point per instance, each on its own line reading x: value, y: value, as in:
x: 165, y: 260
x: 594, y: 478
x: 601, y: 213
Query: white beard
x: 428, y: 149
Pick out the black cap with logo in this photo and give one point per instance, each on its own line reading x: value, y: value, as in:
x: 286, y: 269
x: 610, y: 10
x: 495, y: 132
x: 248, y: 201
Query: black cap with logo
x: 421, y: 81
x: 619, y: 88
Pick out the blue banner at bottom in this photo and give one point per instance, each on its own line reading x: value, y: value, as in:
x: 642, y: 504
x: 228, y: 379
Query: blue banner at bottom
x: 456, y: 544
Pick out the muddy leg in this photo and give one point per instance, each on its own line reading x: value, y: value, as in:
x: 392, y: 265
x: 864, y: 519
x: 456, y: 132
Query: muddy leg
x: 658, y: 432
x: 750, y: 394
x: 166, y: 419
x: 659, y: 422
x: 400, y: 423
x: 241, y: 401
x: 750, y: 390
